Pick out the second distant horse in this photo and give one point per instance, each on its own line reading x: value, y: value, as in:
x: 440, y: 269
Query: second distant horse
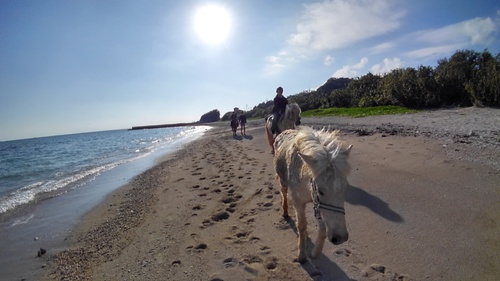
x: 288, y: 121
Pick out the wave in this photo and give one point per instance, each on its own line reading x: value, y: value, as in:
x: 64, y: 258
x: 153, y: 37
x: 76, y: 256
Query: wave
x: 59, y: 184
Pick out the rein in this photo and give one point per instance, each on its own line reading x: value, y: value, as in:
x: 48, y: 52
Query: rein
x: 318, y: 205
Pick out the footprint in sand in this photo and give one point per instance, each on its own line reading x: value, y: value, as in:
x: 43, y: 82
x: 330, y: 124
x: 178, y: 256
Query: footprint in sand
x: 206, y: 223
x: 265, y: 206
x: 265, y: 250
x: 197, y: 208
x: 230, y: 262
x: 271, y: 263
x: 252, y: 259
x: 199, y: 247
x: 231, y: 209
x: 220, y: 216
x: 374, y: 271
x: 343, y: 252
x: 228, y: 199
x: 282, y: 224
x: 242, y: 234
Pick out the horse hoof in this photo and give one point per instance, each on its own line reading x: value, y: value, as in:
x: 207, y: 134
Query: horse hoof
x: 300, y: 260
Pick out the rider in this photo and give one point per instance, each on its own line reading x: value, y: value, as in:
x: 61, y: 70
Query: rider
x: 243, y: 121
x: 279, y: 107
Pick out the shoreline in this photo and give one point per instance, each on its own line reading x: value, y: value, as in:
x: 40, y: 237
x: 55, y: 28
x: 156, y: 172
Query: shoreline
x: 171, y: 221
x: 45, y: 222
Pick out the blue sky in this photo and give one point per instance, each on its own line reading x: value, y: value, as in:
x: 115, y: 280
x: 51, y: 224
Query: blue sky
x: 79, y: 66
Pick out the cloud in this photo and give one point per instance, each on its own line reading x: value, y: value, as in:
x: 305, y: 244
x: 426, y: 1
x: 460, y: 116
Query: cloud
x: 435, y: 52
x: 336, y: 24
x: 387, y: 66
x: 351, y: 70
x: 328, y: 60
x: 384, y: 47
x: 274, y: 64
x: 448, y: 39
x: 477, y: 31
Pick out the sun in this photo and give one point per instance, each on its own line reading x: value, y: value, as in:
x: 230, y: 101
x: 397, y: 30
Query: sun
x: 212, y: 24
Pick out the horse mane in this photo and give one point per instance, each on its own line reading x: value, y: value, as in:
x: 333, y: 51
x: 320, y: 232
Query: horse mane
x: 325, y: 147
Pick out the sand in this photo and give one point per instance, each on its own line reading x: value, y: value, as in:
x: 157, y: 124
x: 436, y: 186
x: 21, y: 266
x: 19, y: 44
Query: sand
x: 423, y: 204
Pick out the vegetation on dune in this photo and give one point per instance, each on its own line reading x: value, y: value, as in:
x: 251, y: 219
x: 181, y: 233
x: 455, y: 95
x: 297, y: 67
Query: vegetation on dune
x: 358, y: 111
x: 467, y: 78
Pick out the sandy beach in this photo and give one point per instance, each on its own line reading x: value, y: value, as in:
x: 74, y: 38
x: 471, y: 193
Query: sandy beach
x: 423, y: 204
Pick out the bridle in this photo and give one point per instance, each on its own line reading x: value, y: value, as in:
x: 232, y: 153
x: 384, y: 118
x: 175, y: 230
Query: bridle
x: 318, y: 205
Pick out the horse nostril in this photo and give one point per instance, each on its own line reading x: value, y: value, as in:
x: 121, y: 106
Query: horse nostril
x: 334, y: 240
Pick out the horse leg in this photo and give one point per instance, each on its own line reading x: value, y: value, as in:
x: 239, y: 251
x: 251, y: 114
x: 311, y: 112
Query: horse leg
x: 300, y: 211
x: 284, y: 200
x: 320, y: 240
x: 270, y: 139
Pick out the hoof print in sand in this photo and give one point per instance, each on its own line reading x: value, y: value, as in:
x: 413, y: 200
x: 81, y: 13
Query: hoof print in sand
x: 374, y: 270
x: 197, y: 208
x: 343, y: 252
x: 265, y: 206
x: 228, y: 199
x: 201, y: 246
x: 265, y: 250
x: 206, y: 223
x: 271, y: 263
x: 230, y: 262
x: 220, y: 216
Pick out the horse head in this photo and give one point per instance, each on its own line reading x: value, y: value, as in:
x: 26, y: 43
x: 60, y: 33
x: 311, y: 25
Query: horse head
x: 328, y: 185
x: 290, y: 118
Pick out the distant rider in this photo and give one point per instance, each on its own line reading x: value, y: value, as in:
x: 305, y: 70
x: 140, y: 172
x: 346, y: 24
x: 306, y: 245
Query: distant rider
x: 279, y: 108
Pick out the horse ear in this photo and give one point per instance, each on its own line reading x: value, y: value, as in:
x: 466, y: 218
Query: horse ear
x: 347, y: 151
x: 310, y: 161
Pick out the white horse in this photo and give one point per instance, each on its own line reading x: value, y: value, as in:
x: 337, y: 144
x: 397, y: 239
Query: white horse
x: 313, y: 166
x: 288, y: 121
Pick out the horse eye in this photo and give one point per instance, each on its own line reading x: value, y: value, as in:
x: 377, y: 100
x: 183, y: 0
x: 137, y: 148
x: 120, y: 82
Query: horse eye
x: 321, y: 193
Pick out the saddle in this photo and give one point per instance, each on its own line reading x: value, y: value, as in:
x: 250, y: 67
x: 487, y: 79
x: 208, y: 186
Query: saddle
x: 277, y: 132
x: 271, y: 119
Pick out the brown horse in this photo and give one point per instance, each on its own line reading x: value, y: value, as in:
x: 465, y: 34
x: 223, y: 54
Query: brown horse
x: 287, y: 121
x: 234, y: 125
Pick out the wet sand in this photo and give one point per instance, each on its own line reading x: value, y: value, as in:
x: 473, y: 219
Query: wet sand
x: 423, y: 204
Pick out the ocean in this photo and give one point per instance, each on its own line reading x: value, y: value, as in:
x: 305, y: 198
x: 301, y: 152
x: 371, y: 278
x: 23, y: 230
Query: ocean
x: 47, y: 184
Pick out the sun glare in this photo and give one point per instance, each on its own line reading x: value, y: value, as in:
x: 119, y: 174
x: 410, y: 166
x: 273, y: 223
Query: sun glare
x: 212, y: 24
